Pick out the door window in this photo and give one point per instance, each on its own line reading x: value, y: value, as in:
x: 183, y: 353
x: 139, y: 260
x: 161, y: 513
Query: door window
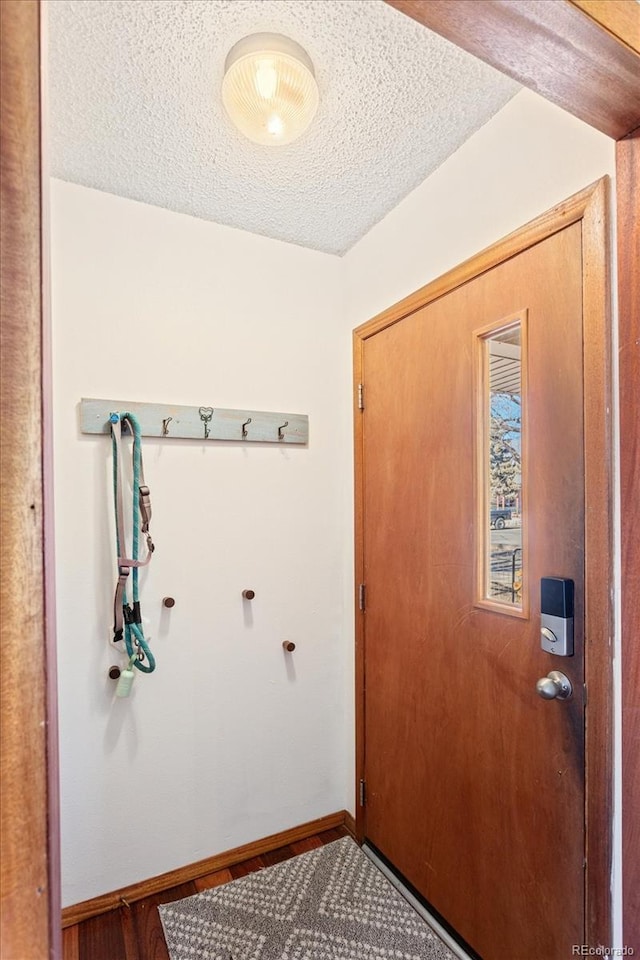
x: 500, y: 509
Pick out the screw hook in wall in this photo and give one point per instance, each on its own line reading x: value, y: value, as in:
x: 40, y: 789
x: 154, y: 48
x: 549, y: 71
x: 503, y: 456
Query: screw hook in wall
x: 244, y: 427
x: 165, y: 426
x: 205, y: 415
x: 280, y: 429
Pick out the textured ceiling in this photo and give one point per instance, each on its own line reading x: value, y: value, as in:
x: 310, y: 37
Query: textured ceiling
x: 136, y: 111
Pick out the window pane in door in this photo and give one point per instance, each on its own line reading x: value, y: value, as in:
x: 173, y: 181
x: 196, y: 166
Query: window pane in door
x: 502, y: 466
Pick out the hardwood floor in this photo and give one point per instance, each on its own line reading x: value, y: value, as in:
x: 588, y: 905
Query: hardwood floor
x: 135, y: 932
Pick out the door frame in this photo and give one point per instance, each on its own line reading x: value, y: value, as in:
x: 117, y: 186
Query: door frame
x: 30, y: 875
x: 589, y: 208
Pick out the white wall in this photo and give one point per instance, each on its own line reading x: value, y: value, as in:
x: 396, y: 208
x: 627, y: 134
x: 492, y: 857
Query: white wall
x: 527, y: 158
x: 229, y: 740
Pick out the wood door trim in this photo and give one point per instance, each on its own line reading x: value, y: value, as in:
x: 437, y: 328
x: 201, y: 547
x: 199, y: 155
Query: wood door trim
x: 599, y: 81
x: 358, y: 505
x: 590, y: 207
x: 599, y: 618
x: 628, y: 188
x: 26, y: 893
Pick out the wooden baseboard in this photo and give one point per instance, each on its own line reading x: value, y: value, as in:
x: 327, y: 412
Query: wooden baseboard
x: 350, y: 824
x: 221, y: 861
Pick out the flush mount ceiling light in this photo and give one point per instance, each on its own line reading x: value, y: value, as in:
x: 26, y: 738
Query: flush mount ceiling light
x: 269, y: 88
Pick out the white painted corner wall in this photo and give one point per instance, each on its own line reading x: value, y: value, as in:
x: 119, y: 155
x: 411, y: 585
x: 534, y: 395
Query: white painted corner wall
x: 229, y: 740
x: 530, y: 156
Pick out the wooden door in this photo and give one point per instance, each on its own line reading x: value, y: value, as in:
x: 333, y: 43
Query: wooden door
x: 474, y: 783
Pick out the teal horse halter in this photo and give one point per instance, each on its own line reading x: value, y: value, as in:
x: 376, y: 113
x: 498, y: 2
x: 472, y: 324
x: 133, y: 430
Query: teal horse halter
x: 127, y: 619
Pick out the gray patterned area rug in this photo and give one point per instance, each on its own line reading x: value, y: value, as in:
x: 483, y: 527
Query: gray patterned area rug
x: 329, y: 904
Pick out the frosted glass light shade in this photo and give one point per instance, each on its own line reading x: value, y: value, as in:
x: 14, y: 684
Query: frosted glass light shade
x: 269, y: 89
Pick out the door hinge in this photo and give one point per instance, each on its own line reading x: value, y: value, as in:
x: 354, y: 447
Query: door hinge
x: 361, y: 396
x: 363, y: 792
x: 361, y: 596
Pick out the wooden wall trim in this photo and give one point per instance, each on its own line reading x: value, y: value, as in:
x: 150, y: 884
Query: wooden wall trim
x: 24, y: 871
x: 553, y: 48
x: 360, y: 679
x: 350, y: 824
x: 173, y: 878
x: 599, y: 635
x: 589, y: 206
x: 628, y: 226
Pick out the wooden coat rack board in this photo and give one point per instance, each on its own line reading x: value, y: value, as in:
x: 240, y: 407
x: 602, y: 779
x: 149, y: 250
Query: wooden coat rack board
x: 198, y: 423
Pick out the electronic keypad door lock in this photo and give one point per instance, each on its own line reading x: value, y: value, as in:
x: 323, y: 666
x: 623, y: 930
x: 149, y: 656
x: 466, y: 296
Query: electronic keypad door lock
x: 556, y: 616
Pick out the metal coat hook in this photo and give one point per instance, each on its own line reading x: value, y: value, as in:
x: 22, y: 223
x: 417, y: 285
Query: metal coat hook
x: 165, y: 426
x: 280, y: 429
x: 206, y: 414
x: 124, y: 424
x: 244, y: 427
